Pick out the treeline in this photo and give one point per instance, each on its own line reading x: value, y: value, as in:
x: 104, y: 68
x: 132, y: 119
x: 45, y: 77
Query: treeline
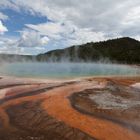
x: 121, y: 50
x: 16, y: 58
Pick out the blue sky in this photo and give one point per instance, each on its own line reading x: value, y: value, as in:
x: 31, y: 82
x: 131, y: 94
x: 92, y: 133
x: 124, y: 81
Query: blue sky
x: 37, y: 26
x: 17, y: 21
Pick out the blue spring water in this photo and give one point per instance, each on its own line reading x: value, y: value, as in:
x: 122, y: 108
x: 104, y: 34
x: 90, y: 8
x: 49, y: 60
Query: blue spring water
x: 66, y: 70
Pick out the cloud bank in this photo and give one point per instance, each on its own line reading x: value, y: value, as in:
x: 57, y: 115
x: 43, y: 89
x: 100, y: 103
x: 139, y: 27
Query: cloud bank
x: 74, y: 21
x: 3, y: 28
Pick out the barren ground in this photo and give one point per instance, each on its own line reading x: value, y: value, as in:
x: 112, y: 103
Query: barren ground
x: 88, y: 109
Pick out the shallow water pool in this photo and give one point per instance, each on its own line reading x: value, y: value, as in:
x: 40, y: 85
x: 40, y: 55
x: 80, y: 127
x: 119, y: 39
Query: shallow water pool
x: 66, y: 70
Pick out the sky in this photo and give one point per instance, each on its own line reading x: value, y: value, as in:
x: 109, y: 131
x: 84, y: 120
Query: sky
x: 32, y: 27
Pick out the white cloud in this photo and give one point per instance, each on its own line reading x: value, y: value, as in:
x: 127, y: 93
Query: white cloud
x: 82, y: 36
x: 68, y: 32
x: 6, y: 46
x: 3, y: 16
x: 9, y: 4
x: 38, y: 7
x: 104, y: 16
x: 3, y: 28
x: 30, y: 42
x: 30, y: 38
x: 77, y: 21
x: 50, y: 29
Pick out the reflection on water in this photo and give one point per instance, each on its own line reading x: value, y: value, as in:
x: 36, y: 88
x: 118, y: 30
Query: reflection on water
x: 65, y: 70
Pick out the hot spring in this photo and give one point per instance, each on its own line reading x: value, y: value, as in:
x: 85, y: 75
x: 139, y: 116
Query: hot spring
x: 66, y: 70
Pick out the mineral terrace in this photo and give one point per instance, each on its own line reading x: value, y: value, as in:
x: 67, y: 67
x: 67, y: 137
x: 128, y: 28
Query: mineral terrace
x: 106, y: 108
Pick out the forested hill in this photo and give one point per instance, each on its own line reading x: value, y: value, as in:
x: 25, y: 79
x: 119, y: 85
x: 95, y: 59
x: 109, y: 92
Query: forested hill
x: 121, y: 50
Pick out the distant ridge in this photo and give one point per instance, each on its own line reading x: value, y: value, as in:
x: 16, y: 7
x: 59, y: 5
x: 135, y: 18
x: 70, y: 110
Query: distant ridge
x: 120, y: 50
x: 16, y: 58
